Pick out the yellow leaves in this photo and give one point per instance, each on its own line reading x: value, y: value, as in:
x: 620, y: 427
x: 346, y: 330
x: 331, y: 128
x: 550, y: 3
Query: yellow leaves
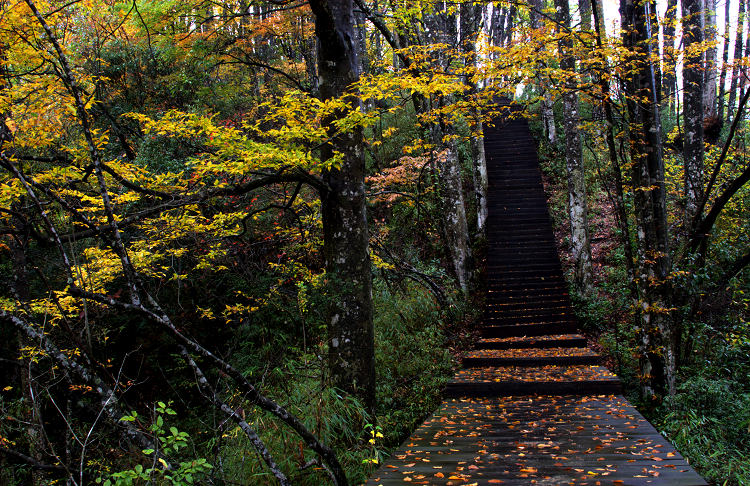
x: 378, y: 262
x: 32, y: 353
x: 10, y: 191
x: 390, y: 131
x: 229, y: 152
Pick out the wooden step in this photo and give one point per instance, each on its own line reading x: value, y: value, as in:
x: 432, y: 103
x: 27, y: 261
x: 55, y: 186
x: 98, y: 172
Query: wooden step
x: 521, y: 342
x: 542, y: 380
x: 530, y: 329
x: 558, y: 356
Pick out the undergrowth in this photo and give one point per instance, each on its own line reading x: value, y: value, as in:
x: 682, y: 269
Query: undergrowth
x: 412, y: 365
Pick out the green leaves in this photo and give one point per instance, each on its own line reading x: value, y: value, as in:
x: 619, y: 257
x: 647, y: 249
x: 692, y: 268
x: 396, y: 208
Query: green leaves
x: 170, y: 442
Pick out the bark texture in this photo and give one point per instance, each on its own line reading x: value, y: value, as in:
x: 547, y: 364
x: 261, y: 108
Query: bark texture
x: 470, y: 23
x: 693, y: 99
x: 547, y: 111
x: 345, y: 236
x: 442, y: 27
x: 669, y: 79
x: 656, y: 346
x: 709, y: 72
x: 737, y: 56
x: 577, y: 206
x: 453, y: 205
x: 724, y: 60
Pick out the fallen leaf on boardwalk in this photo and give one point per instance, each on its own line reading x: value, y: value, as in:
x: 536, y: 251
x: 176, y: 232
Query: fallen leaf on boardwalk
x: 495, y: 481
x: 408, y: 479
x: 529, y: 470
x: 439, y: 475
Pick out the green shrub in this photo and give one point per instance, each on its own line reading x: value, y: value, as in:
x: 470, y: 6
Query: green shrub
x: 412, y: 362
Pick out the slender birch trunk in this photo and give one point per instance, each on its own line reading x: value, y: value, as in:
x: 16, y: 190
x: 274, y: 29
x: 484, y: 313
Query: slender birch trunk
x: 619, y: 197
x: 547, y: 104
x: 669, y: 78
x: 577, y: 205
x: 442, y: 27
x: 709, y: 32
x: 738, y: 44
x: 470, y: 22
x: 724, y: 61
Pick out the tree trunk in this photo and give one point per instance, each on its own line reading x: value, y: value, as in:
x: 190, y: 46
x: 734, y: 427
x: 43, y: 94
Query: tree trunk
x: 510, y: 25
x: 345, y: 236
x: 738, y: 43
x: 585, y: 9
x: 709, y: 32
x: 724, y: 61
x: 669, y: 79
x: 547, y: 111
x: 693, y: 109
x: 454, y: 209
x: 497, y: 25
x: 656, y: 347
x: 577, y: 206
x: 441, y: 27
x: 619, y: 197
x: 311, y: 66
x: 470, y: 22
x: 361, y: 30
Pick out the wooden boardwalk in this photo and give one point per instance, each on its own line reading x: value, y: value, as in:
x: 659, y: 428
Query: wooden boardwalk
x: 531, y: 405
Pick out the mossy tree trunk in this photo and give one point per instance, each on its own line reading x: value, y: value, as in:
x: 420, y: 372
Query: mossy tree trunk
x: 656, y: 337
x: 345, y: 234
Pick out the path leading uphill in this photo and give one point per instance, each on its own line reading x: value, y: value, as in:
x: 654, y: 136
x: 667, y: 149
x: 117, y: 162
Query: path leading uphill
x: 532, y: 405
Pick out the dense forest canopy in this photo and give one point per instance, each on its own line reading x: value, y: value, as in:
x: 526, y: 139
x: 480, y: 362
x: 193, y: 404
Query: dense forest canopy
x: 238, y: 238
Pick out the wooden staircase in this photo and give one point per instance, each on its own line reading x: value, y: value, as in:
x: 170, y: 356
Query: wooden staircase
x: 531, y: 404
x: 529, y: 334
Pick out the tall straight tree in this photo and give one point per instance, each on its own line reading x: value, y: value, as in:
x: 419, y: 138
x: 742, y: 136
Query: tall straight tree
x: 345, y: 235
x: 724, y: 60
x: 669, y: 78
x: 470, y: 26
x: 693, y: 109
x: 440, y: 27
x: 577, y: 205
x: 709, y: 72
x: 547, y: 108
x: 738, y: 44
x: 656, y: 346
